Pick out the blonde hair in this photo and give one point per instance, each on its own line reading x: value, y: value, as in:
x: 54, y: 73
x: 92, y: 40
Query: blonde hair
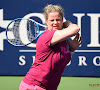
x: 53, y: 8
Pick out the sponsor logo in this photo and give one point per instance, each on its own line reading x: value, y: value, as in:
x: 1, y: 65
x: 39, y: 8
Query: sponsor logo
x: 94, y: 36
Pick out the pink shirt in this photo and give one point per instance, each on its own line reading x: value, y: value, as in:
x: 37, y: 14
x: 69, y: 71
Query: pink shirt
x: 50, y: 62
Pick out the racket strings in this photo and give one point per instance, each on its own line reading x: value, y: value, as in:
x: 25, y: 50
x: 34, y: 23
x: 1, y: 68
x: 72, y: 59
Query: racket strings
x: 17, y: 39
x: 15, y: 30
x: 32, y: 30
x: 23, y: 28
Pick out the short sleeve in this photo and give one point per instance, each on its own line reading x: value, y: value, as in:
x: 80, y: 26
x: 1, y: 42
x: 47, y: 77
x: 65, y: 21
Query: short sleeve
x: 47, y: 37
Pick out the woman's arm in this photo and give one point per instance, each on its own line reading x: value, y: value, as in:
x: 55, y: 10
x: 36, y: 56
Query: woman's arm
x: 64, y: 34
x: 75, y: 43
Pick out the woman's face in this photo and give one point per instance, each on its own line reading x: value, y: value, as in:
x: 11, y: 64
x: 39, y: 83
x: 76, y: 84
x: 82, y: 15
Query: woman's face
x: 54, y: 21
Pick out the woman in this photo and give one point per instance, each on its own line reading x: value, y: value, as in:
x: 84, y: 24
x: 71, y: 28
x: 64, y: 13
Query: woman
x: 52, y: 53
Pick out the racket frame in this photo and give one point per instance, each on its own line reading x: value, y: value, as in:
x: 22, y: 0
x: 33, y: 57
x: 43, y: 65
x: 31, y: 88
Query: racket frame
x: 38, y: 24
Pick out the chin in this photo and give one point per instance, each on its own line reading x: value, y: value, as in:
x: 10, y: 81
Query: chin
x: 56, y: 29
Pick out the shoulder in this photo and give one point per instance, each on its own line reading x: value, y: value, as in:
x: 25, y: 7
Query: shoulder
x: 47, y: 34
x: 45, y: 38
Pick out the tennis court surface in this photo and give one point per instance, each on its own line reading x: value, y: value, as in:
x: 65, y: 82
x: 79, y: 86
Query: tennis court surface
x: 67, y: 83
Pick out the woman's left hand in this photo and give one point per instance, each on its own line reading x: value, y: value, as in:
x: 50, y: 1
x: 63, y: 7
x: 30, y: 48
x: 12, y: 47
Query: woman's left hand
x: 75, y: 43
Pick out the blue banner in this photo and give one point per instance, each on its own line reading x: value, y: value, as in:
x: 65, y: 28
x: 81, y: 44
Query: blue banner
x: 85, y: 61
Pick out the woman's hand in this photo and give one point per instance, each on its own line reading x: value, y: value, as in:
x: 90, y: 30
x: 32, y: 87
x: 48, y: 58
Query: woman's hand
x: 75, y: 43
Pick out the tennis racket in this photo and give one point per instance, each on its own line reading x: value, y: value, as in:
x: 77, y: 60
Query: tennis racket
x: 24, y: 31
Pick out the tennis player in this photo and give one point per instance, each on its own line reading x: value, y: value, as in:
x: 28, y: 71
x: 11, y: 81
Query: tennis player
x: 52, y: 51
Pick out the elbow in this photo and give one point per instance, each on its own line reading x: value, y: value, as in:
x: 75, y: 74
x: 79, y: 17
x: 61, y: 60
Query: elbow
x: 76, y: 28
